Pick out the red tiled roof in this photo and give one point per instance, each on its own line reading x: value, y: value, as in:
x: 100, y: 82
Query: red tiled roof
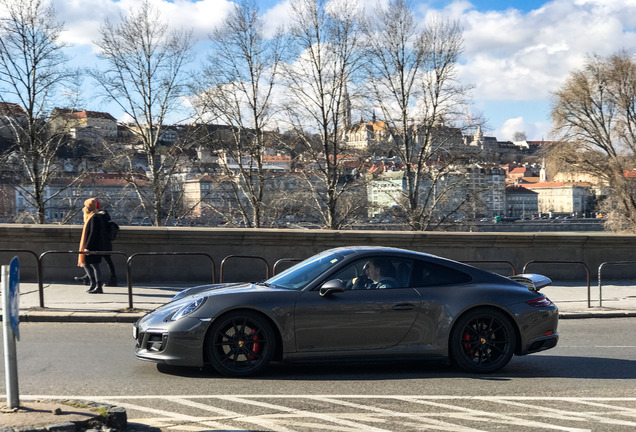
x: 518, y: 170
x: 86, y: 114
x: 11, y: 109
x: 560, y: 184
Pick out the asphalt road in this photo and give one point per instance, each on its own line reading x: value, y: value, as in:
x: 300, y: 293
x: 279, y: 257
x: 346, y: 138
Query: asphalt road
x: 595, y: 362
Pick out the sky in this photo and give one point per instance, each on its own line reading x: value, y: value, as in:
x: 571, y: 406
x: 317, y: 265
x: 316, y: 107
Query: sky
x: 516, y: 53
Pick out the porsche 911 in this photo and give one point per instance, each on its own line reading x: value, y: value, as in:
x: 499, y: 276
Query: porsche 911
x: 353, y: 304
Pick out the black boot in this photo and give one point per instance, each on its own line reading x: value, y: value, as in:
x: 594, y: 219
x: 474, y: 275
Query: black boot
x: 83, y: 279
x: 92, y: 280
x: 97, y: 290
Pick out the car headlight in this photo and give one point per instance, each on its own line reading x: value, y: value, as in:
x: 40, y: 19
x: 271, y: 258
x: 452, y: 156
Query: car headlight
x: 188, y: 308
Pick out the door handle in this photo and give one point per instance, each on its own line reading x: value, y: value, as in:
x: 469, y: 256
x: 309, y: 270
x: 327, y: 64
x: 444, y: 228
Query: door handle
x: 404, y: 307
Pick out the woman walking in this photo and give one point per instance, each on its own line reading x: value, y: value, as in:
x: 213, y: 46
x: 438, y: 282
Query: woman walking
x: 93, y: 239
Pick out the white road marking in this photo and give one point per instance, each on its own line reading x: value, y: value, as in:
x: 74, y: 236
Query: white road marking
x: 366, y: 416
x: 323, y: 417
x: 583, y: 415
x: 498, y: 417
x: 628, y: 411
x: 430, y: 423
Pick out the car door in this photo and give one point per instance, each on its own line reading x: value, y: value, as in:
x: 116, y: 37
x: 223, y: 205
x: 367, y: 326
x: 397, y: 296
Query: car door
x: 355, y: 319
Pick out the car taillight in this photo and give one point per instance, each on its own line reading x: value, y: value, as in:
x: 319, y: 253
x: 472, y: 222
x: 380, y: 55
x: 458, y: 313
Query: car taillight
x: 540, y: 302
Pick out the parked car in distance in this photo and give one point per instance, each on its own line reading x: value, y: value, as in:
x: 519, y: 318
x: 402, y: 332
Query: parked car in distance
x: 351, y: 304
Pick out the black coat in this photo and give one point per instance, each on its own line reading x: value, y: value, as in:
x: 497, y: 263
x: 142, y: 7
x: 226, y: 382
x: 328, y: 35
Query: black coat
x: 108, y: 245
x: 96, y: 238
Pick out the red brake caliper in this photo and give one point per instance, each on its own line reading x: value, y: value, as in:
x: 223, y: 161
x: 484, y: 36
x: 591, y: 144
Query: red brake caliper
x: 467, y: 347
x: 256, y: 346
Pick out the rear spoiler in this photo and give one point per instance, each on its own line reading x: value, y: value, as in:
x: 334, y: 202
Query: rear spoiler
x: 534, y: 282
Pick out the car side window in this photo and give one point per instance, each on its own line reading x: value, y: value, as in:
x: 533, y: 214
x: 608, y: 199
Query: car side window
x: 432, y: 274
x: 376, y: 273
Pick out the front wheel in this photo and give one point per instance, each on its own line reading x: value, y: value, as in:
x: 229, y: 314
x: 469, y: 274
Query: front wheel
x: 240, y: 343
x: 482, y: 341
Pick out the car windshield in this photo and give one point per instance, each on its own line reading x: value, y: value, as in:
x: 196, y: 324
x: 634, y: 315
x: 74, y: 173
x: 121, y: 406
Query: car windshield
x: 298, y: 276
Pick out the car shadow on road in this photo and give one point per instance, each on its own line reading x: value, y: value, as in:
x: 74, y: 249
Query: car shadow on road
x: 544, y: 366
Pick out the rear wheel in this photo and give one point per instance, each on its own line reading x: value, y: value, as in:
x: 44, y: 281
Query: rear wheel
x: 482, y: 341
x: 240, y: 343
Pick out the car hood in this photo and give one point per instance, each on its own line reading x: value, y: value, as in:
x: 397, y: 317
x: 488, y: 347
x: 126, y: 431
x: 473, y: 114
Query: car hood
x: 212, y: 289
x: 188, y: 295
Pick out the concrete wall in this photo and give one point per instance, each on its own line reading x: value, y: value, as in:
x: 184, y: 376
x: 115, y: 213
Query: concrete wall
x: 272, y: 245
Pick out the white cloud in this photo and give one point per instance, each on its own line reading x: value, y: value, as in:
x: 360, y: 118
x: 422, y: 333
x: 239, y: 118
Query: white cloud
x: 509, y: 55
x: 82, y: 23
x: 534, y: 131
x: 512, y: 55
x: 276, y: 17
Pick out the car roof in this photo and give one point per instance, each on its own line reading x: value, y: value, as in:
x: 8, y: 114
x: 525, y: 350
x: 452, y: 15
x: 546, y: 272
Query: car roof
x: 475, y: 272
x: 382, y: 249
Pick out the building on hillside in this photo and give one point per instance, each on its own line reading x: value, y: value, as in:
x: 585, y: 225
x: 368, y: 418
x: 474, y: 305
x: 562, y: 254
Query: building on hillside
x: 562, y: 198
x: 488, y: 186
x: 379, y: 137
x: 479, y: 141
x: 367, y: 136
x: 522, y: 174
x: 11, y: 114
x: 227, y: 160
x: 521, y: 202
x: 384, y: 191
x: 83, y: 124
x: 209, y: 196
x: 65, y: 198
x: 276, y: 163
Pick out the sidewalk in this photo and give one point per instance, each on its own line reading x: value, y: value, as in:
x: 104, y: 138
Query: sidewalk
x: 66, y: 302
x: 69, y: 302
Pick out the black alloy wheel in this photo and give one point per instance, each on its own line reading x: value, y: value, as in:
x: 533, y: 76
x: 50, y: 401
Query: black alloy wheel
x: 240, y: 343
x: 482, y: 341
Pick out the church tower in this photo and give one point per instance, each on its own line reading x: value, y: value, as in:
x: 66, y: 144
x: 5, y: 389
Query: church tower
x: 345, y: 109
x: 543, y: 174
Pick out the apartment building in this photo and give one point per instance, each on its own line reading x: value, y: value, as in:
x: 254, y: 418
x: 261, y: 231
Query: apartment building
x: 488, y: 186
x: 84, y: 124
x: 10, y: 114
x: 563, y: 198
x: 521, y: 202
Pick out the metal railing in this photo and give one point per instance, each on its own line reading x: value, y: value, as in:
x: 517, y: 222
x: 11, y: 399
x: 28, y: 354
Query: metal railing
x: 229, y: 257
x: 587, y: 273
x: 129, y: 266
x: 600, y: 269
x: 135, y: 255
x: 283, y: 261
x: 60, y: 252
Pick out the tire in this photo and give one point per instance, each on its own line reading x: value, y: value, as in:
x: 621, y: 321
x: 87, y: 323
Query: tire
x: 482, y: 341
x: 240, y: 343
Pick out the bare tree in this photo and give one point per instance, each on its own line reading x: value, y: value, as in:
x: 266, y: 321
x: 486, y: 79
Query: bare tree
x: 32, y: 71
x: 145, y: 75
x: 240, y: 78
x: 594, y: 118
x: 413, y: 81
x: 326, y: 37
x: 519, y: 136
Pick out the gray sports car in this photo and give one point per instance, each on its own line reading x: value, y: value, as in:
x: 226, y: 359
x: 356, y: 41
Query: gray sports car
x: 354, y: 303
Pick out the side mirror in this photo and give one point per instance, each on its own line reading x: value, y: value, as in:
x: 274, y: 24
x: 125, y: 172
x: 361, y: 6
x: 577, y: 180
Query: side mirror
x: 332, y: 286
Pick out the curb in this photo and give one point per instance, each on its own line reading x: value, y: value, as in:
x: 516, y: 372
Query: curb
x: 81, y: 317
x: 586, y: 315
x: 106, y: 418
